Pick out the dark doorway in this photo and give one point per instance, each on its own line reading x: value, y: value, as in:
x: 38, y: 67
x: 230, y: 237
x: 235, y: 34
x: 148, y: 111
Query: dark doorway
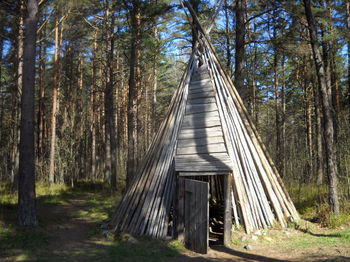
x: 216, y: 210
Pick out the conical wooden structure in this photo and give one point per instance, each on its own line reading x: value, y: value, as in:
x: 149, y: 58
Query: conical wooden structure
x: 207, y: 131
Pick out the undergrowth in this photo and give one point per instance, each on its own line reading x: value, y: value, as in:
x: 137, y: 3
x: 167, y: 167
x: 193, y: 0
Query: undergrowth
x: 311, y: 201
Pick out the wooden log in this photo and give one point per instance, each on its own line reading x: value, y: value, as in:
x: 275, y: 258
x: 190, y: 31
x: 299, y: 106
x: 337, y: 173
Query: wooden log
x: 180, y: 209
x: 227, y: 211
x: 290, y: 209
x: 277, y: 210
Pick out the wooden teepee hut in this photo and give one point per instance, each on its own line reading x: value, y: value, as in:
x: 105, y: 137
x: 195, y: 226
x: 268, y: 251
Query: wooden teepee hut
x: 207, y: 150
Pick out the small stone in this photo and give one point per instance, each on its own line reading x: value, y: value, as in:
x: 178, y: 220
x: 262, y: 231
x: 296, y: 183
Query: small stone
x: 244, y: 239
x: 287, y: 233
x: 254, y: 237
x: 268, y: 239
x: 104, y: 226
x: 132, y: 240
x: 258, y: 233
x: 106, y: 233
x: 248, y: 247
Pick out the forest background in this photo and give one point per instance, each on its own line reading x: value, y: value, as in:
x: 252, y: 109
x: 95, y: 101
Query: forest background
x: 105, y: 72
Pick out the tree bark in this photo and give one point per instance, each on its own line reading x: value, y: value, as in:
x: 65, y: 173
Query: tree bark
x: 283, y: 122
x: 348, y: 45
x: 55, y: 100
x: 17, y: 98
x: 111, y: 149
x: 1, y: 58
x: 228, y: 41
x: 328, y: 112
x: 319, y: 139
x: 41, y: 96
x: 135, y: 17
x: 93, y: 108
x: 26, y: 190
x: 240, y: 49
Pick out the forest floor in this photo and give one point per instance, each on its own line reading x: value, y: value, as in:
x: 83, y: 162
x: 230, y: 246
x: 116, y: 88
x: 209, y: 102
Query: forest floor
x: 69, y: 230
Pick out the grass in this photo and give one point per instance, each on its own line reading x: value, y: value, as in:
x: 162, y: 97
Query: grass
x: 311, y: 201
x: 59, y: 208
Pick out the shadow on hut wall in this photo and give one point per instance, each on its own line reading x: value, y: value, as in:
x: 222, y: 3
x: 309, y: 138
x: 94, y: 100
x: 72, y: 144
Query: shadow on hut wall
x: 216, y: 182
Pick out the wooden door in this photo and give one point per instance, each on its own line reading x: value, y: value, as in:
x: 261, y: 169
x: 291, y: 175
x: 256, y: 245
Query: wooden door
x: 196, y: 215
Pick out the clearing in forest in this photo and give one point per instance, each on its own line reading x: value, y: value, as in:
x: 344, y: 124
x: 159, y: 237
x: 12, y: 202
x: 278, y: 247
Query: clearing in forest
x: 69, y: 231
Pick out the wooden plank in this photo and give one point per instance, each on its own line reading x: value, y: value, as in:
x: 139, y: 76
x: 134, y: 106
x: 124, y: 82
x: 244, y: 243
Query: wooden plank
x: 205, y: 92
x: 203, y: 157
x: 204, y: 81
x: 180, y: 209
x: 201, y: 115
x: 190, y: 109
x: 201, y: 123
x: 270, y: 169
x: 196, y: 215
x: 214, y: 161
x: 204, y: 167
x: 200, y: 141
x: 201, y: 173
x: 200, y: 118
x: 200, y: 85
x: 201, y: 100
x: 227, y: 211
x: 198, y: 133
x: 214, y: 148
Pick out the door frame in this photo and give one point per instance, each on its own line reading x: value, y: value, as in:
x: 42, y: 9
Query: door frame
x: 180, y: 206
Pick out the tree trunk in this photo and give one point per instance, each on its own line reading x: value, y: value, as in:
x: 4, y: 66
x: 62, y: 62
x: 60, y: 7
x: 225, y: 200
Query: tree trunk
x: 16, y: 100
x: 111, y: 143
x: 1, y: 57
x: 55, y: 101
x: 308, y: 120
x: 26, y: 190
x: 348, y: 45
x: 328, y: 112
x: 319, y: 139
x: 228, y: 41
x: 195, y: 6
x: 283, y: 122
x: 133, y: 91
x: 93, y: 109
x: 41, y: 96
x: 277, y: 112
x: 240, y: 49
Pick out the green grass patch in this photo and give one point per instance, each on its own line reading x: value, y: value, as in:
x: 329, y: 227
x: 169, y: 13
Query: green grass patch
x: 146, y: 250
x: 57, y: 205
x: 311, y: 201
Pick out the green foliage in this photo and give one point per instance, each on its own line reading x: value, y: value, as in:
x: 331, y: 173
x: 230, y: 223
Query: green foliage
x: 145, y: 250
x: 59, y: 206
x: 311, y: 202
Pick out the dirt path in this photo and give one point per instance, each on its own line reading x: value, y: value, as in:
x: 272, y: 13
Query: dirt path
x: 77, y: 238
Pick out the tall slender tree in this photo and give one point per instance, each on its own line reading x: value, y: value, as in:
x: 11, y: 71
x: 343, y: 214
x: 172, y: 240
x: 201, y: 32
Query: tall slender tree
x: 240, y: 48
x: 134, y: 81
x: 26, y: 191
x: 328, y: 112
